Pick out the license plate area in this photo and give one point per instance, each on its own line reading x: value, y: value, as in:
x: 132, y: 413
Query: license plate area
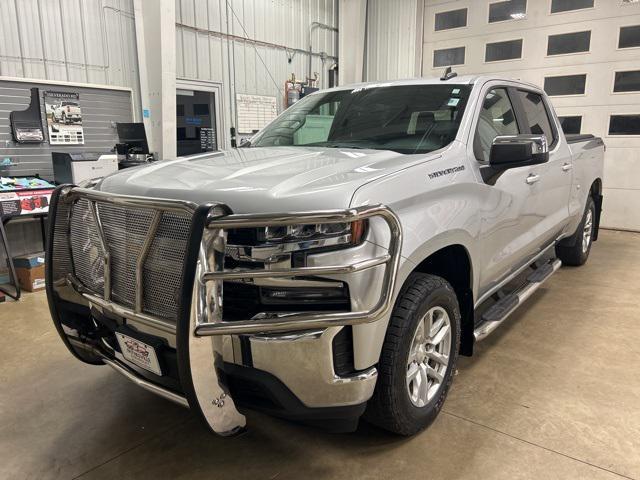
x: 139, y: 353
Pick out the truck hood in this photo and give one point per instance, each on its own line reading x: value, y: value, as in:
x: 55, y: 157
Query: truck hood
x: 263, y: 180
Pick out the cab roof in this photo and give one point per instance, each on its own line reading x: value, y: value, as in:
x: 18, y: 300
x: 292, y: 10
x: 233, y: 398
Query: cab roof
x: 459, y: 80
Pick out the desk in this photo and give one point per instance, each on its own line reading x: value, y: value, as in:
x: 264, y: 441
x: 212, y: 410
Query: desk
x: 21, y: 198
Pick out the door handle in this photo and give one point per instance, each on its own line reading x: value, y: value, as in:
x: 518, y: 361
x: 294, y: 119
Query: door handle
x: 532, y: 178
x: 566, y: 167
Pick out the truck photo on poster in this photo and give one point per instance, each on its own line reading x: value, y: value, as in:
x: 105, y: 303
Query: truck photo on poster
x: 64, y: 118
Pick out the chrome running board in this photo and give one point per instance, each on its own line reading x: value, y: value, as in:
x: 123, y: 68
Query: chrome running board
x: 498, y: 313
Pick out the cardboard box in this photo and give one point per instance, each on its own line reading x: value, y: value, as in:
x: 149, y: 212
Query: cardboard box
x: 31, y: 279
x: 29, y: 261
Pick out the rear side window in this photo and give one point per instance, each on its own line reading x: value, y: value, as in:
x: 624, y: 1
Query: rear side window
x: 496, y: 118
x: 537, y: 116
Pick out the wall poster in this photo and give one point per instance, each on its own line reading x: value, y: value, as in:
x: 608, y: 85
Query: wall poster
x: 64, y: 118
x: 255, y: 111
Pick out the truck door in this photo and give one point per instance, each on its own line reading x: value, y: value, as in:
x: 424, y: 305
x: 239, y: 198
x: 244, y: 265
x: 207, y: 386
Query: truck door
x: 549, y: 191
x: 508, y: 215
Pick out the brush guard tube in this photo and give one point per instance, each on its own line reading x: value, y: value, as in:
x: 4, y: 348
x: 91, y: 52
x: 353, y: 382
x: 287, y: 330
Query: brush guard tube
x: 200, y: 323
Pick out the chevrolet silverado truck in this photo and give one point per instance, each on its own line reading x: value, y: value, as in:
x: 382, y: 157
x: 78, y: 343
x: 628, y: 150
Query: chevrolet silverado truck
x: 337, y: 264
x: 67, y: 113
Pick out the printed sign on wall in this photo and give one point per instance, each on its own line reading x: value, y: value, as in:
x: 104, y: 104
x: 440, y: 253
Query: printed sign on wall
x: 255, y: 111
x: 64, y: 118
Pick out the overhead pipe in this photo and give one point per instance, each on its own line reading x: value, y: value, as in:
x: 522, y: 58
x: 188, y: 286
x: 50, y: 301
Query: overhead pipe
x: 312, y: 27
x: 249, y: 41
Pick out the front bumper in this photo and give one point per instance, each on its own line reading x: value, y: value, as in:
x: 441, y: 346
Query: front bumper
x: 296, y: 346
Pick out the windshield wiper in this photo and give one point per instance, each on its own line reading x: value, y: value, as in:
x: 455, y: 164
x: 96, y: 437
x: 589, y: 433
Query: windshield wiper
x: 333, y: 145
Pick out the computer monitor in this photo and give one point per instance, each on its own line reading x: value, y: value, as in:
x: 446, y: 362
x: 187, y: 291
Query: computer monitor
x: 134, y: 135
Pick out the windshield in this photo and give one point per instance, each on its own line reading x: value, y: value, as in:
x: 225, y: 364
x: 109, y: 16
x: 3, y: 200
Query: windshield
x: 407, y: 119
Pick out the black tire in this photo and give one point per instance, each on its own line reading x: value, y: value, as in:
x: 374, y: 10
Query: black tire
x: 391, y: 407
x: 572, y: 251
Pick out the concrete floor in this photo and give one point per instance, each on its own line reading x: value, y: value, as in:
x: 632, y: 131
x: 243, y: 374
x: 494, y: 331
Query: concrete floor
x: 555, y: 393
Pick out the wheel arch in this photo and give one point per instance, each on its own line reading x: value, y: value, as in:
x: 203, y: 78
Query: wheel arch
x: 453, y: 263
x: 436, y: 256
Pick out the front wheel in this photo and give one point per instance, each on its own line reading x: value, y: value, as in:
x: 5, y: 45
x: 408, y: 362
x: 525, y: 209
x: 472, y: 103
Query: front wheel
x: 578, y: 253
x: 418, y: 356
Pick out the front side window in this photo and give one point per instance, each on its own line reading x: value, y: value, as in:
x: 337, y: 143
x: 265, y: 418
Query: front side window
x: 496, y: 118
x: 537, y: 115
x: 405, y: 118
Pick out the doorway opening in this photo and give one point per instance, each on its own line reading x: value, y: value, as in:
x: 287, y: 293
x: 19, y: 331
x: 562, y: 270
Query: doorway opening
x: 196, y: 126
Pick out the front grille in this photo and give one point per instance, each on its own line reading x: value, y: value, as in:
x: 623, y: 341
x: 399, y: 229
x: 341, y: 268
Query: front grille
x: 125, y: 229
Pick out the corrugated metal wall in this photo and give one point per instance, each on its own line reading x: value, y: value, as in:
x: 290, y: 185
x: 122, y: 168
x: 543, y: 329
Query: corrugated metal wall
x: 205, y: 53
x: 391, y: 39
x: 85, y: 41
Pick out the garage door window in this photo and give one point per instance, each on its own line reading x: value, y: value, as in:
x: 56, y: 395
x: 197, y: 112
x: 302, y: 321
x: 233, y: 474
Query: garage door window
x: 565, y: 85
x: 575, y: 42
x: 571, y: 124
x: 624, y: 124
x: 509, y: 10
x: 451, y: 19
x: 499, y: 51
x: 627, y: 81
x: 558, y: 6
x: 629, y: 37
x: 448, y: 56
x: 537, y: 115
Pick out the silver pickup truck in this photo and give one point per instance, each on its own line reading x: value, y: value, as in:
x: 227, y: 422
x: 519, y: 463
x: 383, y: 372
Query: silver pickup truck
x: 334, y: 266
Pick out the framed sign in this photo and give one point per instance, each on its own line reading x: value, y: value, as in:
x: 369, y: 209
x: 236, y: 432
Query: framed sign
x: 64, y: 118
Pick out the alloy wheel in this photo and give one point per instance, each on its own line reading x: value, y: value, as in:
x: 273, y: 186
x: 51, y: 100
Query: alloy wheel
x: 429, y: 356
x: 587, y: 231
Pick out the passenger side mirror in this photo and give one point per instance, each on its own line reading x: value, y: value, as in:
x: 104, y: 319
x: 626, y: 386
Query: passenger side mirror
x: 512, y: 151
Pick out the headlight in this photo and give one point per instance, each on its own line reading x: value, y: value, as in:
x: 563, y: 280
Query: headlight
x: 342, y: 233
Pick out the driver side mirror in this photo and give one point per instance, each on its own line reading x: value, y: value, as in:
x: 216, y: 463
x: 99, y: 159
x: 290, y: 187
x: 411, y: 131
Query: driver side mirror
x: 512, y: 151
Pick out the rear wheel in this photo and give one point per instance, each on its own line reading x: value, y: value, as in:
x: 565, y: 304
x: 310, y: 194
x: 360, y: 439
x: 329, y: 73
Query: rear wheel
x: 576, y: 252
x: 418, y: 356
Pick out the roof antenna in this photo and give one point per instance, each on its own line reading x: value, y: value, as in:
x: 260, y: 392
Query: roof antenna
x: 448, y: 74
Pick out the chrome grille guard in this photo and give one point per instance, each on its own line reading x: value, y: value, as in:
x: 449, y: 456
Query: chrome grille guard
x: 201, y: 310
x: 211, y: 273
